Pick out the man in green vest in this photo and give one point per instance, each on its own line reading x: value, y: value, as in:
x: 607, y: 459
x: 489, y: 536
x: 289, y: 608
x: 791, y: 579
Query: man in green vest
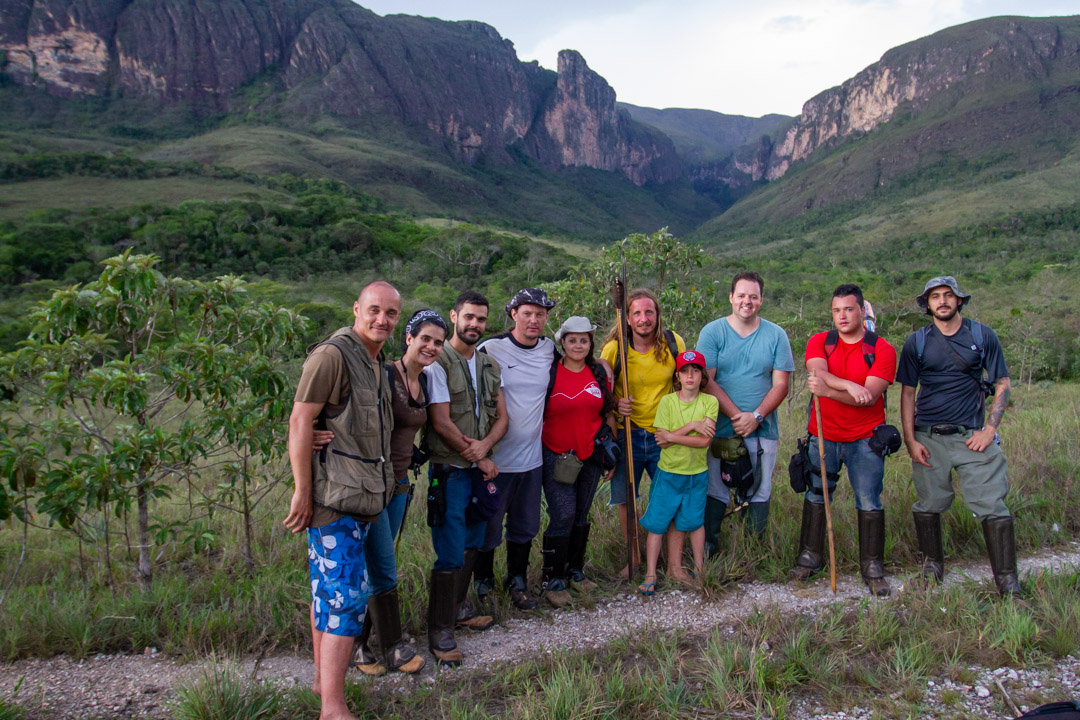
x: 340, y: 490
x: 467, y: 417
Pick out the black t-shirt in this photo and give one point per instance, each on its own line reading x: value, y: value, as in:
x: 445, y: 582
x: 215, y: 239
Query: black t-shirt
x: 947, y: 395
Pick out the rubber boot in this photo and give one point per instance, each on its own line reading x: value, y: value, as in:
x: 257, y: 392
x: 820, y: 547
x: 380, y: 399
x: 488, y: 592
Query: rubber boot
x: 385, y: 612
x: 517, y: 573
x: 714, y: 518
x: 575, y: 558
x: 757, y: 517
x: 363, y: 658
x: 1001, y: 547
x: 810, y: 559
x: 872, y: 551
x: 466, y: 615
x: 554, y: 588
x: 441, y: 613
x: 484, y: 575
x: 931, y: 556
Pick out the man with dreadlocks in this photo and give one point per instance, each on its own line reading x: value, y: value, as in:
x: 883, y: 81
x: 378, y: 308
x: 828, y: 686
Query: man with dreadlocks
x: 650, y: 360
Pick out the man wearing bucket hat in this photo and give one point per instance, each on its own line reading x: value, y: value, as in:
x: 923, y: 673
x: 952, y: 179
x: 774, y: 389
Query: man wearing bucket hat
x: 525, y: 356
x: 945, y: 428
x: 851, y: 367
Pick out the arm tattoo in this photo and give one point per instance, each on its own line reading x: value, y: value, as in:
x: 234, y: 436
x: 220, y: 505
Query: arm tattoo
x: 1001, y: 401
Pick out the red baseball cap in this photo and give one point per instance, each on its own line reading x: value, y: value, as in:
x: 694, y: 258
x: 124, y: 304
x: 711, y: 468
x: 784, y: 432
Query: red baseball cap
x: 689, y: 357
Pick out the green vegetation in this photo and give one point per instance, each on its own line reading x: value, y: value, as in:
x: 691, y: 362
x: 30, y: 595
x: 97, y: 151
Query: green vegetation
x: 875, y: 656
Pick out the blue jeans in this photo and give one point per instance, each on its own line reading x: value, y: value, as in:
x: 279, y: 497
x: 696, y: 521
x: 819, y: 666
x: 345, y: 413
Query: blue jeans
x: 646, y: 457
x: 455, y: 535
x: 866, y: 471
x: 379, y: 546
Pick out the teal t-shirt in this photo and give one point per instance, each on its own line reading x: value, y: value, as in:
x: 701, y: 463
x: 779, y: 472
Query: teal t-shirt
x: 744, y: 367
x: 671, y: 414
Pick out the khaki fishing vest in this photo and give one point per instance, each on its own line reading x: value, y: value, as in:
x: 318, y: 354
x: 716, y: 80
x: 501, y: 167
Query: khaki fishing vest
x: 352, y: 474
x: 463, y: 402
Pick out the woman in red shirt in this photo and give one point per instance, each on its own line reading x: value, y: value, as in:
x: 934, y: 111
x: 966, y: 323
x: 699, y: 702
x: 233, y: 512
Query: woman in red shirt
x: 578, y: 402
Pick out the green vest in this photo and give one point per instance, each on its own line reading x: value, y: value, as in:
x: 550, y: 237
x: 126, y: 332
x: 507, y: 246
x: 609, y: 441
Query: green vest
x: 352, y: 474
x: 463, y: 402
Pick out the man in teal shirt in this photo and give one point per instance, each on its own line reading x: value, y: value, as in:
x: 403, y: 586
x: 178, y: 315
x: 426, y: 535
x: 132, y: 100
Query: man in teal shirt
x: 750, y: 363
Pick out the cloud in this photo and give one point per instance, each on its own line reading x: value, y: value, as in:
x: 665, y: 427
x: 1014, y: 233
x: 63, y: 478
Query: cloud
x: 789, y: 23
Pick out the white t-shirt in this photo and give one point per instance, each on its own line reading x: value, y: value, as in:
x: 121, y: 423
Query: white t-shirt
x: 439, y: 392
x: 525, y: 373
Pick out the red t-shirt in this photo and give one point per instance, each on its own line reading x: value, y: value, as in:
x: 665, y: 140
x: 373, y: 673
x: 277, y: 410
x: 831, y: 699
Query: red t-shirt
x: 573, y: 413
x: 842, y: 422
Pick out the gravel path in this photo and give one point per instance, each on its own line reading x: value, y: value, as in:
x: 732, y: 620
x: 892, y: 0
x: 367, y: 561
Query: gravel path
x: 140, y: 685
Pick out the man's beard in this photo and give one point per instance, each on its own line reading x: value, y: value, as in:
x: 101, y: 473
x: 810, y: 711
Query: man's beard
x: 946, y: 318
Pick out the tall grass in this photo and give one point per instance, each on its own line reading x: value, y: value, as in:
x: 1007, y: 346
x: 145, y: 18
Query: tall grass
x: 208, y: 601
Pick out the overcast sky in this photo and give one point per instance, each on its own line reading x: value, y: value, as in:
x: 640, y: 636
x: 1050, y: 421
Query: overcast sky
x: 737, y: 57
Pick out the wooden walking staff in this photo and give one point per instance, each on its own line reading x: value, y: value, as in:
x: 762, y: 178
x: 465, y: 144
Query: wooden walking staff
x: 618, y: 298
x: 825, y: 492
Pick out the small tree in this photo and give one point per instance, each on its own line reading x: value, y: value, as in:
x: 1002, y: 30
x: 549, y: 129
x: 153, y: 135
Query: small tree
x: 659, y: 261
x: 135, y: 383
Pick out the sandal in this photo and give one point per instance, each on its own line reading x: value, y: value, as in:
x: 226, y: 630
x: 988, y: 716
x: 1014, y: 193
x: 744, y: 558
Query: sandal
x: 647, y: 588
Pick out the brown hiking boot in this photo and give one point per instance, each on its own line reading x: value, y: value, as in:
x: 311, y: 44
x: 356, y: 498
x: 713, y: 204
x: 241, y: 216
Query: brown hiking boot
x: 467, y: 617
x: 810, y: 559
x: 931, y: 555
x: 872, y: 551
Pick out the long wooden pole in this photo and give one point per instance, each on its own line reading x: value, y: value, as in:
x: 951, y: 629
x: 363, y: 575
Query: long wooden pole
x: 825, y: 492
x: 619, y: 298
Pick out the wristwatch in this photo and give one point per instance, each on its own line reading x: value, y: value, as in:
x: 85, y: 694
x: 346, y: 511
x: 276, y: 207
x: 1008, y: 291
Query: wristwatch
x: 759, y: 417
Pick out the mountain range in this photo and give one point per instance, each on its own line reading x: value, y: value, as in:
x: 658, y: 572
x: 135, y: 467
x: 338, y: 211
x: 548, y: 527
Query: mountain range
x: 461, y: 124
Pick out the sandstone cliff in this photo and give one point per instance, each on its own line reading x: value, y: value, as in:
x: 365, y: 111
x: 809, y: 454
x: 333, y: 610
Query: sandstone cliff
x: 458, y: 84
x: 945, y: 67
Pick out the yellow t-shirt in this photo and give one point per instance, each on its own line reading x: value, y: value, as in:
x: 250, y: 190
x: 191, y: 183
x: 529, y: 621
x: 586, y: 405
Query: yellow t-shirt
x: 649, y: 380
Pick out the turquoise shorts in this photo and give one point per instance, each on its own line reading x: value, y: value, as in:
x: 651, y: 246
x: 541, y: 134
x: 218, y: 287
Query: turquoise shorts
x: 339, y: 581
x: 676, y: 498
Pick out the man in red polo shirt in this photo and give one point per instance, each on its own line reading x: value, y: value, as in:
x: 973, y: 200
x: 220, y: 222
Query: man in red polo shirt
x: 850, y: 368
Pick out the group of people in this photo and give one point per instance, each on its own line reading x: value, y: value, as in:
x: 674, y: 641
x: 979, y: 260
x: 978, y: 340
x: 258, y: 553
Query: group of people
x: 505, y: 421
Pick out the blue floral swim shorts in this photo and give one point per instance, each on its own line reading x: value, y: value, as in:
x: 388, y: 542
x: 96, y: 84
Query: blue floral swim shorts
x: 339, y: 582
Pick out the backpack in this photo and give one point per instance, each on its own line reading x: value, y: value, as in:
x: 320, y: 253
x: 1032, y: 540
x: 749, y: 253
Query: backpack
x: 977, y: 330
x: 869, y: 348
x: 672, y: 346
x: 1067, y: 710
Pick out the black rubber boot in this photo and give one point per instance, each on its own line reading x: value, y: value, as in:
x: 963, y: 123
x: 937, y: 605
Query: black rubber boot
x: 931, y: 555
x: 363, y: 658
x: 517, y: 574
x: 441, y: 613
x: 575, y: 557
x: 872, y: 551
x: 714, y: 518
x: 810, y: 559
x: 757, y: 517
x: 384, y: 609
x: 1001, y: 547
x: 466, y: 615
x: 555, y: 588
x: 484, y: 577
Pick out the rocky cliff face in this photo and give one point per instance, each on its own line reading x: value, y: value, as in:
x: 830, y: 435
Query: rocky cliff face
x: 581, y: 126
x: 459, y: 84
x: 960, y: 61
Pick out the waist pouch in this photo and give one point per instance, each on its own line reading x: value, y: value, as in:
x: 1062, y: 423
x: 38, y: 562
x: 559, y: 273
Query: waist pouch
x: 736, y: 468
x: 436, y: 498
x: 885, y: 440
x: 484, y: 502
x: 610, y: 451
x: 799, y: 466
x: 567, y: 467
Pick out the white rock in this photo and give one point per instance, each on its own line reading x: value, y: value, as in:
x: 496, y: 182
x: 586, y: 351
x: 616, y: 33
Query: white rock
x: 981, y: 691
